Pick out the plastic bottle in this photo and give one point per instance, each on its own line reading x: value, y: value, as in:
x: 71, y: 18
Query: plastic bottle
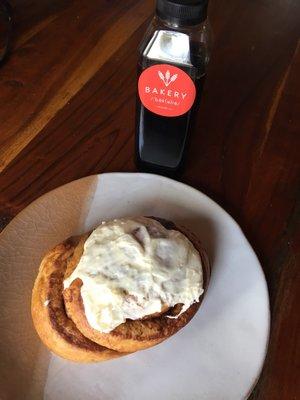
x: 173, y: 57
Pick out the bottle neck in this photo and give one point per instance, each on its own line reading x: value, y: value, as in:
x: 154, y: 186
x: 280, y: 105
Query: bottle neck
x: 176, y: 25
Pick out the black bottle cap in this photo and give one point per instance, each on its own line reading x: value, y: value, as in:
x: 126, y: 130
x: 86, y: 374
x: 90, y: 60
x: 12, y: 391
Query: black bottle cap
x: 182, y: 12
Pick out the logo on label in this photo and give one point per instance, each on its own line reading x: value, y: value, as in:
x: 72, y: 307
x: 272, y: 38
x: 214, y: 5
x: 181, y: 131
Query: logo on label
x: 167, y: 79
x: 166, y: 90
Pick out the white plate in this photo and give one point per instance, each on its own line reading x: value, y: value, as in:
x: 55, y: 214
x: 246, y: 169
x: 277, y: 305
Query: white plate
x: 218, y: 356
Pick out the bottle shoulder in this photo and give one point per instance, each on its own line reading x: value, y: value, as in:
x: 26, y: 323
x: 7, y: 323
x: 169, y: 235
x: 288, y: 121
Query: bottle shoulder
x: 178, y: 45
x: 201, y: 33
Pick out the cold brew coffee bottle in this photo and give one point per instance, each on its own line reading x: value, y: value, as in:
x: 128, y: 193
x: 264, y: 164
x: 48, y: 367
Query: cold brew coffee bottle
x: 173, y: 57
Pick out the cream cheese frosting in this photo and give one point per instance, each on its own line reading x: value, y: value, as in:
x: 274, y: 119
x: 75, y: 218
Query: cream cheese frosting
x: 131, y: 267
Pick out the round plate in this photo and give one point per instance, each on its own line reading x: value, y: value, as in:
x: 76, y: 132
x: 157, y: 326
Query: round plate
x: 218, y: 355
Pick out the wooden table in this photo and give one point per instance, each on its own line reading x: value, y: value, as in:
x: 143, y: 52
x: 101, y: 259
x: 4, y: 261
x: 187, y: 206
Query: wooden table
x: 67, y: 101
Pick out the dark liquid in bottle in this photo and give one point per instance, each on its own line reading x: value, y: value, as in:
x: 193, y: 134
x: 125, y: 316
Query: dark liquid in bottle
x: 161, y: 141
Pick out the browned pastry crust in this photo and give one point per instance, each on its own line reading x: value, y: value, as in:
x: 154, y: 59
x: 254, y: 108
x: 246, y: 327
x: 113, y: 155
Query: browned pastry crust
x: 138, y: 334
x: 55, y: 329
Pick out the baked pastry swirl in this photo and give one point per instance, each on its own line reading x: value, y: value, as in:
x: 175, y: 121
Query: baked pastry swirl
x: 56, y: 330
x: 78, y: 323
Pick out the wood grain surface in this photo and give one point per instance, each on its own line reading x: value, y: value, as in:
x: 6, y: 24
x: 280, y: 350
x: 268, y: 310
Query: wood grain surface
x: 67, y: 103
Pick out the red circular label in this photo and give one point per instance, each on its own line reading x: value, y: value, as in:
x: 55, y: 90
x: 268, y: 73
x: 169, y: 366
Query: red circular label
x: 166, y: 90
